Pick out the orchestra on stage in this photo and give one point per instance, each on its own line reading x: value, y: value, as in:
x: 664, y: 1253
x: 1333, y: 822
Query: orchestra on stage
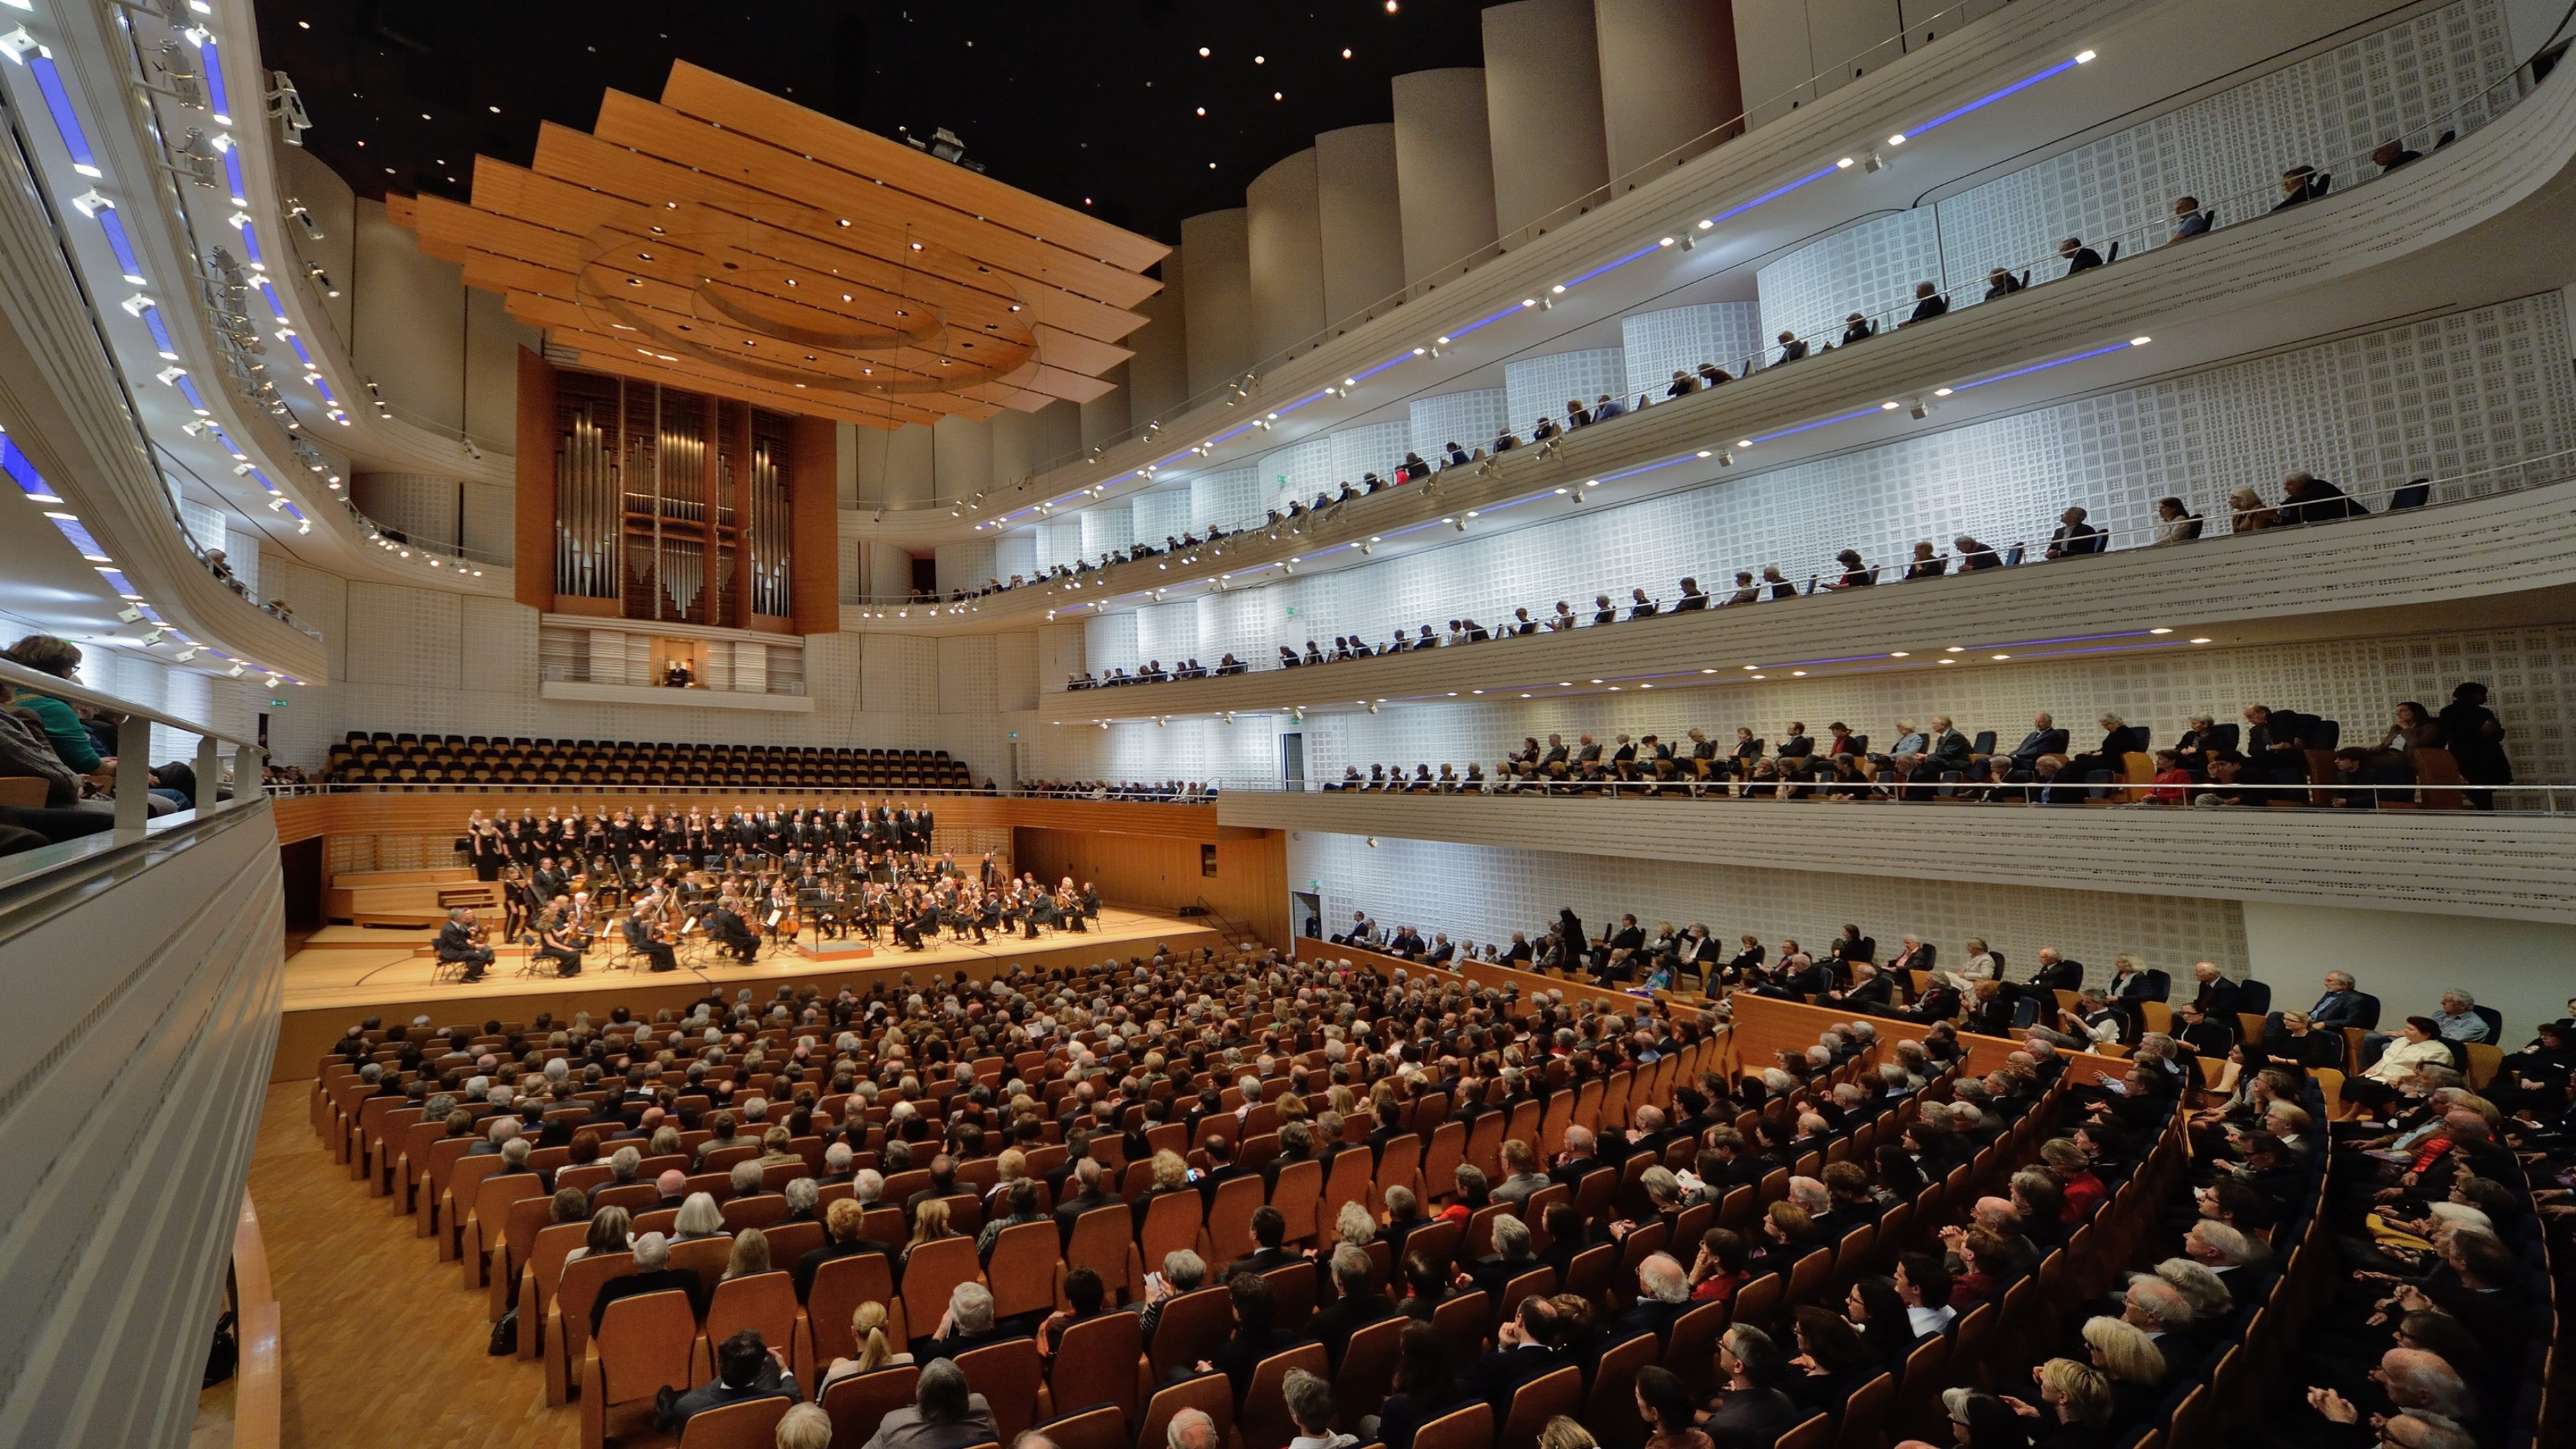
x: 654, y: 886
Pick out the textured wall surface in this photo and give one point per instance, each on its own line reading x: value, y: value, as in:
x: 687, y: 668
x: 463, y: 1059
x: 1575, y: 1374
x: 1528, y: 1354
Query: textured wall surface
x: 128, y: 1119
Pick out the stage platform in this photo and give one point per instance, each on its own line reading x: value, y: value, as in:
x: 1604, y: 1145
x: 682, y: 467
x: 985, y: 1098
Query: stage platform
x: 344, y: 973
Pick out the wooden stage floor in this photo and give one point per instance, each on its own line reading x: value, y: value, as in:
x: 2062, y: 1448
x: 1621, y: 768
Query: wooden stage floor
x: 343, y: 973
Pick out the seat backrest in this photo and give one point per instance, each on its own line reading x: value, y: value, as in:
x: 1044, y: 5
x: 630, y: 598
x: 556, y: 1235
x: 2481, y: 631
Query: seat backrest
x: 1229, y: 1219
x: 1008, y: 1376
x: 1469, y: 1428
x: 860, y: 1402
x: 839, y: 1287
x: 1172, y: 1224
x: 1461, y: 1321
x: 1101, y: 1428
x: 1864, y: 1413
x: 1190, y: 1324
x: 751, y: 1425
x: 763, y: 1301
x: 1265, y: 1423
x: 1534, y: 1403
x: 1346, y: 1182
x: 1368, y: 1369
x: 932, y: 1271
x: 1210, y: 1394
x: 1095, y: 1360
x: 1023, y: 1266
x: 1692, y: 1346
x: 579, y: 1289
x: 705, y: 1257
x: 1295, y: 1195
x: 644, y: 1344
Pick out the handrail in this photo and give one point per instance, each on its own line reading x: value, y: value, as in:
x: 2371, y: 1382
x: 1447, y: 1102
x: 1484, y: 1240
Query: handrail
x: 1717, y: 593
x: 259, y: 1397
x: 133, y: 778
x: 2522, y: 799
x: 107, y: 350
x: 1686, y: 150
x: 2479, y: 109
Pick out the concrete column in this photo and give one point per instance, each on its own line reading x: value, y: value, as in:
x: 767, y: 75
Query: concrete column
x: 1284, y: 245
x: 1216, y: 296
x: 1543, y: 107
x: 961, y: 457
x: 1444, y: 168
x: 1105, y: 419
x: 1359, y: 205
x: 1158, y: 376
x: 1667, y: 77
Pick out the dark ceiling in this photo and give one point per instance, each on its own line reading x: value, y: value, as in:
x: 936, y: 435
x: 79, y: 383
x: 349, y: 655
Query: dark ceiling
x: 1092, y: 103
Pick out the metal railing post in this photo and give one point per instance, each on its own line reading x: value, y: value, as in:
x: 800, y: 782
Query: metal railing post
x: 133, y: 772
x: 210, y: 777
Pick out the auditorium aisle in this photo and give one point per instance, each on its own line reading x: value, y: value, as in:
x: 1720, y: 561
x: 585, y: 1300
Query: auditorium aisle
x: 383, y: 1345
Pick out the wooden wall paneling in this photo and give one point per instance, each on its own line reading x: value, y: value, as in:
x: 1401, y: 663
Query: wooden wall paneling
x: 535, y: 518
x: 1161, y: 873
x: 814, y: 502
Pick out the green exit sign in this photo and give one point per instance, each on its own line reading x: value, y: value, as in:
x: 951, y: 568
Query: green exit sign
x: 1292, y: 611
x: 277, y: 704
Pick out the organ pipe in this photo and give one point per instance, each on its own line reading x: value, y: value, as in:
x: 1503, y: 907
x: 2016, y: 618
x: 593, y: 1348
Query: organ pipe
x: 769, y: 543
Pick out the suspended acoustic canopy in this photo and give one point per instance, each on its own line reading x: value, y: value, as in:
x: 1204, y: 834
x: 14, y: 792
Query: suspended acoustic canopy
x: 730, y: 241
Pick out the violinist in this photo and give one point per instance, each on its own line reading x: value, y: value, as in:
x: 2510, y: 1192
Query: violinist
x: 726, y: 927
x: 644, y: 938
x: 556, y: 941
x: 460, y: 941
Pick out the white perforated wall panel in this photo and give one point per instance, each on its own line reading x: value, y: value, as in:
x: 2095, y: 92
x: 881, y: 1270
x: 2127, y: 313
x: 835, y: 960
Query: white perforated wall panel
x: 1371, y: 448
x: 1868, y: 268
x: 1679, y: 339
x: 1539, y: 386
x: 1160, y: 516
x: 1471, y: 419
x: 1105, y: 530
x: 1015, y: 670
x: 1300, y: 471
x: 966, y: 683
x: 1228, y: 499
x: 408, y: 636
x: 1484, y: 894
x: 1060, y: 654
x: 2469, y: 391
x: 967, y: 564
x: 2531, y: 672
x: 1016, y: 554
x: 899, y: 674
x: 2413, y: 79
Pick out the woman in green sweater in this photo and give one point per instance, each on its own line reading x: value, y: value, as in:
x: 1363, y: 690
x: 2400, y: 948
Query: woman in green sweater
x: 63, y: 728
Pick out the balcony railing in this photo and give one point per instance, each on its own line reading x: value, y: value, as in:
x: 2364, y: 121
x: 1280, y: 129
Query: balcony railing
x: 2335, y: 175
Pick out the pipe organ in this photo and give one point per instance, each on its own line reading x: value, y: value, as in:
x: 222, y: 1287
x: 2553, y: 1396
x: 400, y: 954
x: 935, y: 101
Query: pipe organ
x: 679, y: 507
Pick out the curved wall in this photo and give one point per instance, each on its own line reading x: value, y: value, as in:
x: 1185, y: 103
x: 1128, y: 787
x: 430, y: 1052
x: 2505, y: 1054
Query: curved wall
x: 128, y: 1115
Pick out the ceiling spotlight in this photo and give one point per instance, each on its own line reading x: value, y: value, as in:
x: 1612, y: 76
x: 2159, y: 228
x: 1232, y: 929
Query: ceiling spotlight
x: 1920, y: 411
x: 187, y: 654
x: 1872, y: 161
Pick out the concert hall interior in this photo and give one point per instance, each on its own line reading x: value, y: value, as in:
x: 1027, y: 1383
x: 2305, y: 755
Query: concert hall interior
x: 842, y: 726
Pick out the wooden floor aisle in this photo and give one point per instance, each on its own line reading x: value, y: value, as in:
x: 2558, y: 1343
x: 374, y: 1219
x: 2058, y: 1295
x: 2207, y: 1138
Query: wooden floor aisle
x: 383, y: 1345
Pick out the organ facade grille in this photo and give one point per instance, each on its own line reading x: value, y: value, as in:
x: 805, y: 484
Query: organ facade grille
x: 671, y: 506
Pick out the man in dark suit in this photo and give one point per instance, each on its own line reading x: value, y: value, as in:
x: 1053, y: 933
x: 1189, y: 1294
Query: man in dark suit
x: 2057, y: 971
x: 1358, y: 1302
x: 1577, y: 1160
x: 1526, y: 1348
x: 1221, y: 1167
x: 746, y: 1370
x: 2307, y: 498
x: 2276, y: 743
x: 1869, y: 987
x: 1269, y: 1230
x: 2342, y: 1005
x: 2045, y: 738
x: 2216, y: 996
x: 653, y: 1274
x: 2074, y: 537
x: 1665, y: 1299
x: 456, y: 944
x: 733, y: 935
x: 1918, y: 955
x: 1086, y: 1177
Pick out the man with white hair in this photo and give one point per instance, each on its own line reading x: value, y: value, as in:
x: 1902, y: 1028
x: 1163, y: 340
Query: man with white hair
x: 1576, y: 1160
x: 1665, y: 1298
x: 501, y: 1132
x: 1191, y: 1429
x: 2216, y: 1246
x: 968, y: 1323
x: 653, y: 1274
x: 836, y: 1165
x: 2158, y: 1308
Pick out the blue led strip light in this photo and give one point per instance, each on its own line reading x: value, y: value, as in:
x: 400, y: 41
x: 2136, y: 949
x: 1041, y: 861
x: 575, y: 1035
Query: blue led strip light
x: 117, y: 581
x: 118, y: 243
x: 1982, y: 102
x: 17, y: 465
x: 160, y: 332
x: 80, y: 538
x: 66, y: 120
x: 216, y: 94
x: 233, y: 174
x: 1772, y: 195
x: 250, y: 245
x: 2042, y: 366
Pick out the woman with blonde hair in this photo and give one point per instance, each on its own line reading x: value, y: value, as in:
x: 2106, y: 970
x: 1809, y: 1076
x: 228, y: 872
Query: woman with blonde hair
x: 774, y: 1148
x: 875, y: 1350
x: 2131, y: 1362
x: 2250, y: 513
x: 2074, y: 1408
x: 609, y: 1228
x: 929, y: 1225
x: 1564, y: 1433
x: 750, y: 1255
